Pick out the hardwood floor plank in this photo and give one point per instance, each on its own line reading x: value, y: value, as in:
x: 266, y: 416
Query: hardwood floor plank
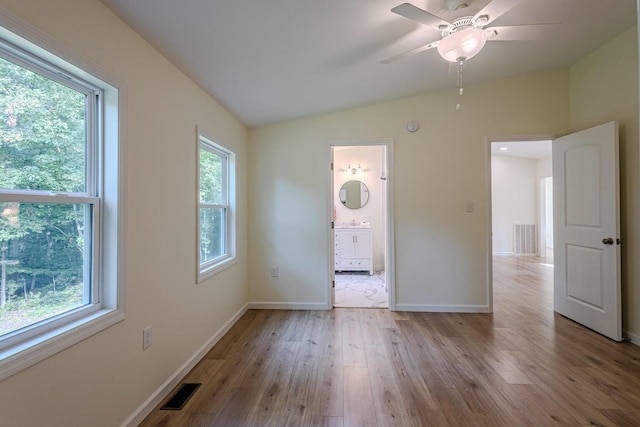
x: 359, y: 409
x: 406, y: 368
x: 166, y: 419
x: 353, y: 341
x: 246, y: 369
x: 296, y: 323
x: 508, y: 369
x: 233, y: 410
x: 390, y: 407
x: 555, y: 384
x: 371, y: 329
x: 272, y: 398
x: 243, y: 332
x: 329, y: 389
x: 329, y: 392
x: 301, y: 392
x: 326, y: 422
x: 534, y: 407
x: 203, y: 371
x: 620, y: 417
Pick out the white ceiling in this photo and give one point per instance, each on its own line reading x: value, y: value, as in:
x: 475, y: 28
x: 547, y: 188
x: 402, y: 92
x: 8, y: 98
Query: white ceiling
x: 270, y: 61
x: 523, y: 149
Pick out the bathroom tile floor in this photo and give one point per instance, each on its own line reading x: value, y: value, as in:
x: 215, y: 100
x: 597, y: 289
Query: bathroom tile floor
x: 358, y: 289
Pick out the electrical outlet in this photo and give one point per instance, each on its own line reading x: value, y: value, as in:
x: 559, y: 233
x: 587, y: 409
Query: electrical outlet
x: 147, y: 337
x: 275, y: 271
x: 469, y: 206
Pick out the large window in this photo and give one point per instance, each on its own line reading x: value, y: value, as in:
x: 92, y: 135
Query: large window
x: 54, y: 189
x: 216, y: 239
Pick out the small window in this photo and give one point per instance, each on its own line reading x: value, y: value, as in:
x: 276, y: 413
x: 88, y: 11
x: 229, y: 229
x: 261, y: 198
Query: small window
x: 56, y: 179
x: 216, y: 217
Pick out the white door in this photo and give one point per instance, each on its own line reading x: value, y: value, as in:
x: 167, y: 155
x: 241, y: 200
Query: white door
x: 587, y: 230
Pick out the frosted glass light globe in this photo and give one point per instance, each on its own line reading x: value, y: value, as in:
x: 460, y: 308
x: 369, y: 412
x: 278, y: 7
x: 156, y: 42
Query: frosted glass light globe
x: 463, y: 44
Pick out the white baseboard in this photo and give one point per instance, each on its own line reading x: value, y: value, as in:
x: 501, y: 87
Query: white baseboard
x: 156, y: 397
x: 442, y: 308
x: 631, y: 337
x: 503, y: 253
x: 399, y: 307
x: 273, y: 305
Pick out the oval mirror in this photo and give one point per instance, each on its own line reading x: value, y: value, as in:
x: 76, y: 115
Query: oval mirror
x: 354, y: 194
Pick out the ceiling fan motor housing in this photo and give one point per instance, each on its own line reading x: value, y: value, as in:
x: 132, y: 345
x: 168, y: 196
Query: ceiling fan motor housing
x: 454, y: 5
x: 456, y: 25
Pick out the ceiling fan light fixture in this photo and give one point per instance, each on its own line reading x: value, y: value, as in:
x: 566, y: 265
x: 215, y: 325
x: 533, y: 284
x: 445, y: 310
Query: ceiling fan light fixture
x: 462, y: 44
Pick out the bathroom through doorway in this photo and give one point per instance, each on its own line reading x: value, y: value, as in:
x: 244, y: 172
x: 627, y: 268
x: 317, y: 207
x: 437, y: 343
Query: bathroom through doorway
x: 360, y: 231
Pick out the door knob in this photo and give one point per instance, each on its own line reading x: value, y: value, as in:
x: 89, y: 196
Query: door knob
x: 607, y: 241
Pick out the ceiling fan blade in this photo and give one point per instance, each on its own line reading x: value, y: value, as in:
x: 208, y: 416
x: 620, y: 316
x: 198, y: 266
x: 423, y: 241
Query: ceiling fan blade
x: 495, y: 9
x: 523, y: 32
x: 410, y: 52
x: 416, y: 14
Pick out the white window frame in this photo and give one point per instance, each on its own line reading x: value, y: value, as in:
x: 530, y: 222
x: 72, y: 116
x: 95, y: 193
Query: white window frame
x: 104, y: 181
x: 209, y: 268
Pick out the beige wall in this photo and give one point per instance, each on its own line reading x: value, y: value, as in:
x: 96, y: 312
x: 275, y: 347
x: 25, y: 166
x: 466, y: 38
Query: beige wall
x: 102, y: 380
x: 441, y: 251
x: 604, y: 87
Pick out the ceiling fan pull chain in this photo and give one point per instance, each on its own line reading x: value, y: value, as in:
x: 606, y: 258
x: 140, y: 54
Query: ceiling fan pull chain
x: 460, y: 88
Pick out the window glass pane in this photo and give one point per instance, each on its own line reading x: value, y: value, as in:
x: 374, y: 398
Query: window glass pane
x: 211, y: 178
x: 212, y: 233
x: 42, y: 132
x: 42, y: 250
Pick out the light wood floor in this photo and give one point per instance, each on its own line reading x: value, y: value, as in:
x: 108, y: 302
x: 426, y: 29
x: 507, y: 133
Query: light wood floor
x: 523, y: 365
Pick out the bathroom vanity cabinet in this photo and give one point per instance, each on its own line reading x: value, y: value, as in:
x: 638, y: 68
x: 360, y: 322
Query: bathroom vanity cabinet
x: 353, y: 249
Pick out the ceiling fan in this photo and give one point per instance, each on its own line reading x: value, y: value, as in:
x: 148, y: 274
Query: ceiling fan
x: 463, y: 38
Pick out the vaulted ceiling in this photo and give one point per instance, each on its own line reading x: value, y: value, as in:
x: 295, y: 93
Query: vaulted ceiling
x: 271, y: 61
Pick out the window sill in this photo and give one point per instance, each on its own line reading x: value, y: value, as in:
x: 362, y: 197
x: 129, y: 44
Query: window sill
x: 215, y: 269
x: 28, y: 353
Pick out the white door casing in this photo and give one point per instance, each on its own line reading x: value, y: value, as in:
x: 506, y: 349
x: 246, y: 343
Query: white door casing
x: 587, y: 229
x: 387, y: 165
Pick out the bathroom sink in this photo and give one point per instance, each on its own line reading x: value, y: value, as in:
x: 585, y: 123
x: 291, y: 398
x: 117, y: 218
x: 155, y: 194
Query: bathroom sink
x: 352, y: 225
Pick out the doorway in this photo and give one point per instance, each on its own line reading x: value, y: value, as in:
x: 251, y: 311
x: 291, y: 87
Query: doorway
x: 522, y: 202
x: 361, y: 254
x: 586, y: 226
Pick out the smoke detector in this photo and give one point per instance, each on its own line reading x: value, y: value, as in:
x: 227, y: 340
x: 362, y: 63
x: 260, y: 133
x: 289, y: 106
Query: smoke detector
x: 454, y: 5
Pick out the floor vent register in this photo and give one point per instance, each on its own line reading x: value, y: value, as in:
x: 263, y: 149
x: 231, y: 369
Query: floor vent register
x: 180, y: 397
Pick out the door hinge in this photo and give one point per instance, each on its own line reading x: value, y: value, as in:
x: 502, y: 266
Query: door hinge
x: 331, y: 165
x: 333, y: 283
x: 618, y: 241
x: 332, y: 225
